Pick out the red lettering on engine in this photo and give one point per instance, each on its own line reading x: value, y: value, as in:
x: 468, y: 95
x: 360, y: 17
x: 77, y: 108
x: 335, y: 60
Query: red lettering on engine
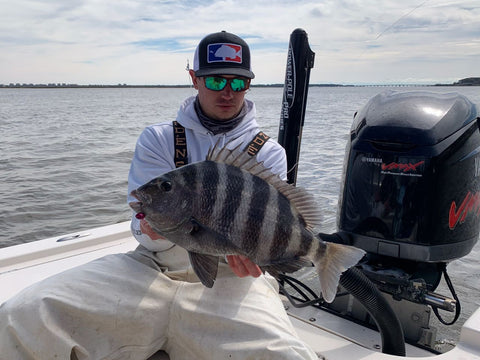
x: 401, y: 167
x: 469, y: 205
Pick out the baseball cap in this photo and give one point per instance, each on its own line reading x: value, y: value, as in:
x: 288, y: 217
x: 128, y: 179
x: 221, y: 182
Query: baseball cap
x: 222, y: 53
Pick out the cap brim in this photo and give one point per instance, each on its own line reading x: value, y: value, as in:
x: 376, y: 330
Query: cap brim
x: 225, y: 71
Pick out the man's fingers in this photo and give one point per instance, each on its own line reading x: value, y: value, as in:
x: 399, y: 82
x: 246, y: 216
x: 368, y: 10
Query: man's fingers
x: 243, y: 266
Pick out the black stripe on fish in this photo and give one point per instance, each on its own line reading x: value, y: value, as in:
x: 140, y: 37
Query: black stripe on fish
x: 209, y: 178
x: 255, y: 216
x: 234, y: 187
x: 190, y: 174
x: 306, y: 241
x: 320, y: 251
x: 283, y: 227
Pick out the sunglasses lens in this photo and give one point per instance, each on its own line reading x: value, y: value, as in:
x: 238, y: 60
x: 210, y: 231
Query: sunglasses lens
x: 215, y: 83
x: 237, y: 84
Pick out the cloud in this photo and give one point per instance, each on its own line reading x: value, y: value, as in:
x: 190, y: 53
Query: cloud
x: 147, y: 41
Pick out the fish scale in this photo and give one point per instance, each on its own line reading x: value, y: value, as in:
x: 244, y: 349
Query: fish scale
x: 231, y: 204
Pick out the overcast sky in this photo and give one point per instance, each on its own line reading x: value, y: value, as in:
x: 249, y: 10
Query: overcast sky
x: 149, y: 42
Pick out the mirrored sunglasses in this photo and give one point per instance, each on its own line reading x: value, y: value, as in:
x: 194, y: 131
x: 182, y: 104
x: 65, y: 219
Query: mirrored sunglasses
x: 218, y: 83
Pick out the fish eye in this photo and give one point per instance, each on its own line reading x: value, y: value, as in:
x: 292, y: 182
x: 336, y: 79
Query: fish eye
x: 166, y: 185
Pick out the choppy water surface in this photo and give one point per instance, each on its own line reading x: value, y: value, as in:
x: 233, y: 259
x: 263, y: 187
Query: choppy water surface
x: 65, y: 155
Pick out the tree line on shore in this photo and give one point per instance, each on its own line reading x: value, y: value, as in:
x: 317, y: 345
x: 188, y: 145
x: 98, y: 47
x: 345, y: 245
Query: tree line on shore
x: 470, y: 81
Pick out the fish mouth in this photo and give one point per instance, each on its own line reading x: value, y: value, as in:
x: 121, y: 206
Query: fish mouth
x: 135, y: 194
x: 137, y: 206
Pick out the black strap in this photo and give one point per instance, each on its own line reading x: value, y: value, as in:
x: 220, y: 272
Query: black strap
x: 180, y: 142
x: 256, y: 144
x: 181, y: 156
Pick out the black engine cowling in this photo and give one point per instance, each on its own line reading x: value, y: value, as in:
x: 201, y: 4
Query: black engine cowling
x: 411, y: 186
x: 410, y: 197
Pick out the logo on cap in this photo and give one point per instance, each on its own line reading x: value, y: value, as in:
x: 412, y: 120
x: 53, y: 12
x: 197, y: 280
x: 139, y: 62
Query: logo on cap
x: 224, y: 53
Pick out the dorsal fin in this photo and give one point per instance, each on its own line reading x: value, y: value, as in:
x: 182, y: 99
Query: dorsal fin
x: 297, y: 196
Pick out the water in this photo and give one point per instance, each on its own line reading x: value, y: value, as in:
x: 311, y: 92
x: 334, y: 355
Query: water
x: 65, y: 155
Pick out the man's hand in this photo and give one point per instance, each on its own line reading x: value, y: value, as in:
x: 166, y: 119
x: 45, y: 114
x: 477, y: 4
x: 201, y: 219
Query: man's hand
x: 147, y: 230
x: 243, y: 266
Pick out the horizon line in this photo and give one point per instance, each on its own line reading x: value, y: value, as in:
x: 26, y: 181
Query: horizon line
x: 67, y: 85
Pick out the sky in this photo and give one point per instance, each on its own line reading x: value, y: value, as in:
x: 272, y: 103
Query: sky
x: 148, y: 42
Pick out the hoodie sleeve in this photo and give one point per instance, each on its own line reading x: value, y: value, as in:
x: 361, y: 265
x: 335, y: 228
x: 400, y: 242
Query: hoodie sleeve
x: 274, y: 158
x: 153, y: 157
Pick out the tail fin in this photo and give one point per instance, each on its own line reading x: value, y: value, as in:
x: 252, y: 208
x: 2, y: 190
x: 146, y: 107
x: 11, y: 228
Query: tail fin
x: 336, y: 258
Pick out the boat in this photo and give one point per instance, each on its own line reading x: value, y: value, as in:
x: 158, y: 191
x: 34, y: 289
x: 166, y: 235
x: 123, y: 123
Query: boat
x: 404, y: 147
x: 331, y: 337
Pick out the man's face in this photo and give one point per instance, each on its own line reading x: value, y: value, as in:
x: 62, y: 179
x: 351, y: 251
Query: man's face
x: 218, y: 105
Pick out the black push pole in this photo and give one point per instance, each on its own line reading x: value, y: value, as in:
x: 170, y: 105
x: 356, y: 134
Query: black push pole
x: 295, y: 90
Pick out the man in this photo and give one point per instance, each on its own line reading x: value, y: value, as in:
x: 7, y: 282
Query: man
x: 128, y: 306
x: 212, y: 115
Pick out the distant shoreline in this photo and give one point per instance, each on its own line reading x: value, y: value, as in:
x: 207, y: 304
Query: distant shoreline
x: 40, y: 86
x: 472, y: 81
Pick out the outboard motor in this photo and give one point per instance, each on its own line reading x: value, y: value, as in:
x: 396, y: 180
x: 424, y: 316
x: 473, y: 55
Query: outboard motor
x: 410, y: 197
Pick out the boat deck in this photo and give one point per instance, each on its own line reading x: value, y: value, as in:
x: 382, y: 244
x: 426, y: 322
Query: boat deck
x: 330, y: 336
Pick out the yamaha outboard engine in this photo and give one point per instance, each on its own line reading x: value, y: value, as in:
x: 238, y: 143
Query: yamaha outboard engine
x: 411, y: 198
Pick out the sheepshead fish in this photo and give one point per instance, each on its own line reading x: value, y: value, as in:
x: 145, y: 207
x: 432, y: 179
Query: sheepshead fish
x: 232, y: 204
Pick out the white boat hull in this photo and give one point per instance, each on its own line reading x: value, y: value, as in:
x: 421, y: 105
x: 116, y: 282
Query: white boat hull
x: 330, y: 336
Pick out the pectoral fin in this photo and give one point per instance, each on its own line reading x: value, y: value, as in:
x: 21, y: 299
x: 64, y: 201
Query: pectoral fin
x: 206, y: 236
x: 200, y: 230
x: 205, y: 266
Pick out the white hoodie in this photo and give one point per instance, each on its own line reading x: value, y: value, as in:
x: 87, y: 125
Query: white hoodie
x: 154, y: 153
